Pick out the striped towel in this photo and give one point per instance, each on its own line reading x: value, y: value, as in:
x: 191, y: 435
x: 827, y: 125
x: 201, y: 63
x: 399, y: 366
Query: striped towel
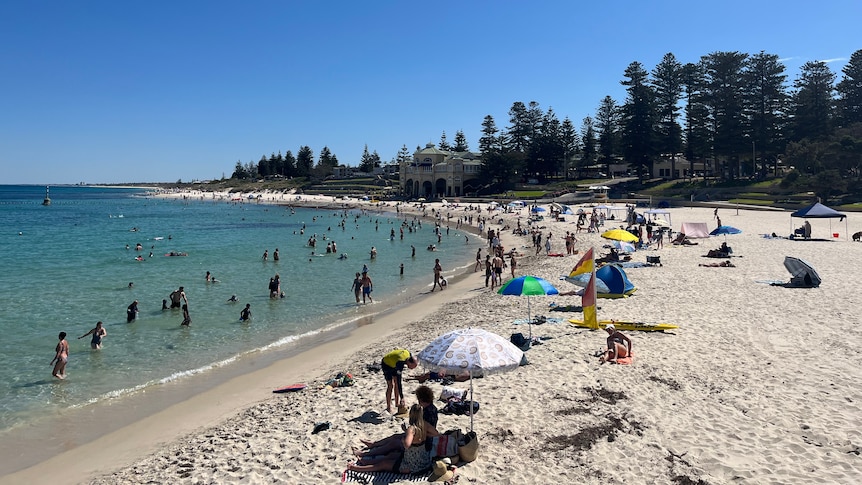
x: 381, y: 477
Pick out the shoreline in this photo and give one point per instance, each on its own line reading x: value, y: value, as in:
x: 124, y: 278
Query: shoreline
x: 722, y: 400
x: 27, y: 443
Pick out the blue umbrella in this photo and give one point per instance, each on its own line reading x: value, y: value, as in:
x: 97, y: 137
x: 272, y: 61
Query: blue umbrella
x: 539, y: 209
x: 725, y: 230
x: 528, y: 285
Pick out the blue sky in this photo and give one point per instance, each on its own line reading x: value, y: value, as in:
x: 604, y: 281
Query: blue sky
x: 114, y: 92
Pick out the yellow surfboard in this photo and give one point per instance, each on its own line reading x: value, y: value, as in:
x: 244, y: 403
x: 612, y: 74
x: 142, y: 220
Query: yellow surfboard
x: 633, y: 326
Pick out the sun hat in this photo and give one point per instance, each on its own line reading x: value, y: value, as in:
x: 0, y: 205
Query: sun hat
x: 403, y: 411
x: 440, y: 472
x: 610, y: 326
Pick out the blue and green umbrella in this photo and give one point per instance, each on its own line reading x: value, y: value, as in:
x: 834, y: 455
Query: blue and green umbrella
x: 529, y: 286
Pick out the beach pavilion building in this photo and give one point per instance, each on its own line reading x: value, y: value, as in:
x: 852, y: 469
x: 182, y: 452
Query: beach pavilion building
x: 435, y: 173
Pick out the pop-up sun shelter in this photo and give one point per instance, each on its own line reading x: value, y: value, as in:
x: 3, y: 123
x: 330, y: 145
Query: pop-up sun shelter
x: 819, y: 211
x: 802, y: 275
x: 694, y: 230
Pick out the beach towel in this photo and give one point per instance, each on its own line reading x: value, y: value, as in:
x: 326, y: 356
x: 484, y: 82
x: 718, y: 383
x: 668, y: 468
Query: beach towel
x: 626, y: 360
x: 381, y: 477
x: 552, y: 320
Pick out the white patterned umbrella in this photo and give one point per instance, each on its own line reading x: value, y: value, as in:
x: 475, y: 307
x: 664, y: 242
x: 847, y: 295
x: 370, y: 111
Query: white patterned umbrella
x: 472, y: 350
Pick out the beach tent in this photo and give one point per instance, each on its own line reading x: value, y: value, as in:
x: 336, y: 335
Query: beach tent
x: 611, y: 281
x: 802, y: 275
x: 694, y: 230
x: 616, y: 280
x: 659, y: 214
x: 820, y: 211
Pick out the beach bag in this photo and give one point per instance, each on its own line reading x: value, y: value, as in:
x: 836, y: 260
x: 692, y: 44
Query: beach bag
x: 442, y: 446
x: 469, y: 450
x: 520, y: 341
x: 460, y: 408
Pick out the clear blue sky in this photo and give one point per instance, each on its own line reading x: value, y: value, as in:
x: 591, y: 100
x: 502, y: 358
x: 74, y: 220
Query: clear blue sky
x: 118, y: 91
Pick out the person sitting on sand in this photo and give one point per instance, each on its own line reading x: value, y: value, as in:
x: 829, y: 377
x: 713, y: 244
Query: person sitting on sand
x: 619, y: 346
x: 414, y: 458
x: 384, y: 446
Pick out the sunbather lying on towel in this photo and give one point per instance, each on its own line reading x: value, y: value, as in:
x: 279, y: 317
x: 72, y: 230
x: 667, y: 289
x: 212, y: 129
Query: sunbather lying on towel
x: 723, y: 264
x: 680, y: 239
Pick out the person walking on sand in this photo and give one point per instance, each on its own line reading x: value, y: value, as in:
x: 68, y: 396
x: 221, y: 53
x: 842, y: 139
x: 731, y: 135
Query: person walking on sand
x: 497, y: 277
x: 478, y: 260
x: 367, y: 287
x: 438, y: 271
x: 61, y: 357
x: 513, y: 263
x: 357, y: 286
x: 98, y: 334
x: 488, y: 270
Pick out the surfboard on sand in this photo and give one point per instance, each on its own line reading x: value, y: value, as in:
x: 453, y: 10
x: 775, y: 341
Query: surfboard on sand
x: 290, y: 388
x: 631, y: 326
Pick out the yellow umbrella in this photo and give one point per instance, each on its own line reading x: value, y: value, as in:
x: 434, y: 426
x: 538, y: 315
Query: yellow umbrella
x: 620, y: 235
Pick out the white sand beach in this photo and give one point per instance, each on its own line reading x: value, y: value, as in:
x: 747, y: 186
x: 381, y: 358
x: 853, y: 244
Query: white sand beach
x: 758, y: 385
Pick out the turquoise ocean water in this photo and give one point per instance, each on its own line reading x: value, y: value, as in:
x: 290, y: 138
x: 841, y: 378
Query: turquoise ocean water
x: 66, y: 266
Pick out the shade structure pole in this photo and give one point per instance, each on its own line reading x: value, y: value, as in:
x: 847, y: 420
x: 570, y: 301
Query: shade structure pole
x: 529, y: 318
x: 471, y: 401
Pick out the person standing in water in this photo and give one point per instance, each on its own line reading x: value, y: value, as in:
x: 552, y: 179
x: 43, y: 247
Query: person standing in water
x: 438, y: 272
x: 98, y: 334
x: 357, y: 286
x: 367, y: 287
x: 61, y: 357
x: 132, y: 312
x: 177, y: 297
x: 187, y: 319
x: 245, y: 314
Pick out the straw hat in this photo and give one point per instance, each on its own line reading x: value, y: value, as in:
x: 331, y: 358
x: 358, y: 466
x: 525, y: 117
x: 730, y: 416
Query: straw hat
x: 440, y: 472
x: 403, y: 411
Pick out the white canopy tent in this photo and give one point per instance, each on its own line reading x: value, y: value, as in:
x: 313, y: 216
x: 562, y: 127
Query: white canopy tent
x: 659, y: 213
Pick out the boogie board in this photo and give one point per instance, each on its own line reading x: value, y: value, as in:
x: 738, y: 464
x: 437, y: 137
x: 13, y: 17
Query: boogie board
x: 290, y: 388
x: 634, y: 326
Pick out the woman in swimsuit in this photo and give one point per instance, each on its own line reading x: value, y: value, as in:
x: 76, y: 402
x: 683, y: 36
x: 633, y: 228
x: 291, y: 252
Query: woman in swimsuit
x: 61, y: 356
x: 619, y: 346
x: 98, y: 333
x: 414, y: 458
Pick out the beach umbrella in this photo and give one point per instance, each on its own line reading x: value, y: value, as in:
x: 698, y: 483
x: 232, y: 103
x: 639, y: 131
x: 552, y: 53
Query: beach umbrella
x: 658, y: 221
x: 725, y: 230
x: 620, y: 235
x: 529, y: 286
x: 623, y: 246
x: 539, y: 209
x: 470, y: 350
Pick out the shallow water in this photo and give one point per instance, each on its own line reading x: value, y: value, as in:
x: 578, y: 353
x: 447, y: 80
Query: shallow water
x: 69, y: 267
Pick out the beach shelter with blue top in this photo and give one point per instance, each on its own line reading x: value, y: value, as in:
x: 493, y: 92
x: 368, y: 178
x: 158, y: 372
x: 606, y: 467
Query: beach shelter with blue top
x: 820, y: 211
x: 616, y: 280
